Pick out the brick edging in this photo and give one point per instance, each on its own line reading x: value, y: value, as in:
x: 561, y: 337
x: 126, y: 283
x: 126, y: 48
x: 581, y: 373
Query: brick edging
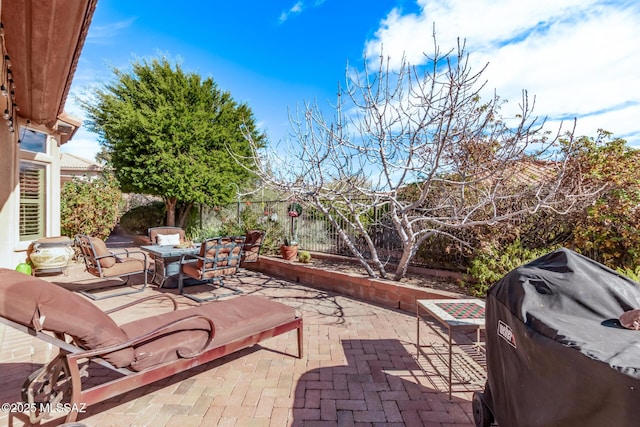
x: 387, y: 293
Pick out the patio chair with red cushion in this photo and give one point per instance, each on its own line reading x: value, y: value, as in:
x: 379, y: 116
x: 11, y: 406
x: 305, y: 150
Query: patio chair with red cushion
x: 103, y: 263
x: 166, y: 235
x: 142, y: 351
x: 218, y: 258
x: 252, y: 245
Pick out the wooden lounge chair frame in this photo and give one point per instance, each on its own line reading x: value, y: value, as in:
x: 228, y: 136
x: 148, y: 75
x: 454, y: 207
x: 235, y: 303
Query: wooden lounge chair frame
x: 61, y: 379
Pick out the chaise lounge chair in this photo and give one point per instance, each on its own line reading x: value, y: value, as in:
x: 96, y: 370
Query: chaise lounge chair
x: 142, y: 351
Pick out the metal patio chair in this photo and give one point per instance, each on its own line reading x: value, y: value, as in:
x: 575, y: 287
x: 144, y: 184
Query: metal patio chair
x: 103, y: 263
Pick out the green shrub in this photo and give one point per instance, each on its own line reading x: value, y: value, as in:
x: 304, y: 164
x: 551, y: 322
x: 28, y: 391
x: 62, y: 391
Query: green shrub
x: 89, y: 207
x: 251, y: 220
x: 223, y: 221
x: 138, y: 220
x: 304, y: 257
x: 200, y: 234
x: 491, y: 265
x: 631, y: 273
x: 609, y: 229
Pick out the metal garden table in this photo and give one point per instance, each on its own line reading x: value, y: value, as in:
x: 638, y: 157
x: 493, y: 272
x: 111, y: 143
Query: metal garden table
x: 460, y: 315
x: 166, y: 261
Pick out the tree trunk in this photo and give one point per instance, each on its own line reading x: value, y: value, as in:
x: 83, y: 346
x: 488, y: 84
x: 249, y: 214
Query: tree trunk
x: 171, y: 211
x: 408, y: 252
x: 345, y: 238
x: 183, y: 214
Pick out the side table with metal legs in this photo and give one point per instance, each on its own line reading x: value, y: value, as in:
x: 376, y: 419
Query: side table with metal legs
x: 456, y: 315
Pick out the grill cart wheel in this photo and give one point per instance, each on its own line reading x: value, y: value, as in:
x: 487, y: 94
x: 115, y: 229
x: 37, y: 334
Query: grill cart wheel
x: 482, y: 415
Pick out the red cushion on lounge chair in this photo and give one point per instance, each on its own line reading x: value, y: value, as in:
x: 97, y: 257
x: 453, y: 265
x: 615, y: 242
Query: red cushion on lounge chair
x: 233, y: 319
x: 29, y: 300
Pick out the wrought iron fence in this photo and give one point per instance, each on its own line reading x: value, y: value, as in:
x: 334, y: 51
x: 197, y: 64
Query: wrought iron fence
x: 313, y: 230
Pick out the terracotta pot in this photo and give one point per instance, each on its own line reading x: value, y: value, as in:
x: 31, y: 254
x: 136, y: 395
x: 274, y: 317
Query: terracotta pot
x: 289, y: 253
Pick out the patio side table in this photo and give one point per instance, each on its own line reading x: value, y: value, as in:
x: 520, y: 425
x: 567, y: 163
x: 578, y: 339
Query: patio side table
x: 456, y: 315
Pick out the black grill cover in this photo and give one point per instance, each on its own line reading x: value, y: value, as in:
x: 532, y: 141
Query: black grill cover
x: 556, y: 352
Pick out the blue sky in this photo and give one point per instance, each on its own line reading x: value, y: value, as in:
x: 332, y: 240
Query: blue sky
x: 580, y: 58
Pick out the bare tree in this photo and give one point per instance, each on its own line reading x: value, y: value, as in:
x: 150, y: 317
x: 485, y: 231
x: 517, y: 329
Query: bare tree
x: 429, y: 131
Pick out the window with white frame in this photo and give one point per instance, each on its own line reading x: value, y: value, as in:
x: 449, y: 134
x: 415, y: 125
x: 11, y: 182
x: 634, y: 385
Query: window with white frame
x: 32, y: 200
x: 32, y: 140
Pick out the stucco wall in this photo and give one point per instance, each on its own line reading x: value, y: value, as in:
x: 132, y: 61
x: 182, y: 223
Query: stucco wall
x: 9, y: 196
x: 12, y: 250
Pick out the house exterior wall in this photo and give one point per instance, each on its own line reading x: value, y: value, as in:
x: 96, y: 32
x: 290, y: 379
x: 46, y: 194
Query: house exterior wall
x: 69, y: 175
x: 9, y: 196
x: 12, y: 250
x: 72, y: 166
x: 53, y: 32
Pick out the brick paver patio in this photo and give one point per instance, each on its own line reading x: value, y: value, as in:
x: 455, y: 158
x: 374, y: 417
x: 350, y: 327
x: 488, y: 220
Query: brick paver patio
x: 358, y: 370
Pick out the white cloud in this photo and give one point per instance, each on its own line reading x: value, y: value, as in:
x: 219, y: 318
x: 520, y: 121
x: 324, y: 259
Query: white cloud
x: 578, y: 57
x: 295, y: 9
x: 106, y: 34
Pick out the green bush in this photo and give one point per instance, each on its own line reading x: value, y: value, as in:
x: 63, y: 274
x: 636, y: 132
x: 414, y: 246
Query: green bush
x: 304, y: 257
x: 138, y: 220
x: 216, y: 221
x: 631, y: 273
x: 89, y: 207
x: 608, y: 231
x: 491, y: 265
x: 251, y: 220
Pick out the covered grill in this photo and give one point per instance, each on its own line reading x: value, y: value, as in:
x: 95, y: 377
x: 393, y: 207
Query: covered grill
x: 557, y: 354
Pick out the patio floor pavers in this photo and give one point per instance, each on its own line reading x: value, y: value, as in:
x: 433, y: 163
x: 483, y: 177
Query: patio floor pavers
x: 358, y: 370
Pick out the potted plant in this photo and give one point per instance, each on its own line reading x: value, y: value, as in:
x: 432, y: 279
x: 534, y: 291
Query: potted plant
x: 290, y: 248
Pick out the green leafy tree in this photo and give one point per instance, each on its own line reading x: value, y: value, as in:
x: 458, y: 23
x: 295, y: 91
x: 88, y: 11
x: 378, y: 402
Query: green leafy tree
x: 90, y: 207
x: 169, y: 133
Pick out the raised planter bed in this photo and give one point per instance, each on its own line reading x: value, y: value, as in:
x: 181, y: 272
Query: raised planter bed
x: 387, y: 293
